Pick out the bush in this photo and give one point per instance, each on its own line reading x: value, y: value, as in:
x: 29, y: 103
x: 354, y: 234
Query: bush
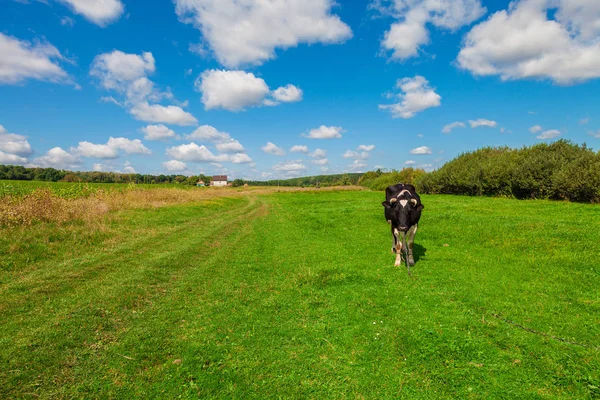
x: 379, y: 181
x: 560, y: 170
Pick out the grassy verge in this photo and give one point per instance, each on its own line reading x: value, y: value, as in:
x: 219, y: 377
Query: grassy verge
x: 294, y: 295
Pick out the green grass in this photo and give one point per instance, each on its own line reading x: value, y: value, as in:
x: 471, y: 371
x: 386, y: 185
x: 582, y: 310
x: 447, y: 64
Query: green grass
x: 294, y: 295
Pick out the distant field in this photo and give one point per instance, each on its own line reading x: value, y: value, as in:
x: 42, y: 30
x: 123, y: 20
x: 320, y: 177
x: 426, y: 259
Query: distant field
x: 70, y: 189
x: 294, y: 295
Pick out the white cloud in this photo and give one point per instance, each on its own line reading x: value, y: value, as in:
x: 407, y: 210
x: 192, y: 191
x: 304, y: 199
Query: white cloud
x: 127, y: 75
x: 482, y: 122
x: 67, y: 21
x: 410, y: 162
x: 230, y: 146
x: 129, y: 146
x: 364, y: 147
x: 166, y: 114
x: 117, y: 70
x: 287, y: 94
x: 584, y: 121
x: 208, y: 133
x: 320, y: 161
x: 299, y: 149
x: 13, y: 143
x: 174, y: 165
x: 128, y: 168
x: 535, y: 129
x: 405, y: 37
x: 238, y: 90
x: 110, y: 150
x: 110, y: 99
x: 272, y: 148
x: 355, y: 154
x: 141, y: 89
x: 318, y: 154
x: 357, y: 165
x: 290, y: 166
x: 240, y: 158
x: 421, y: 150
x: 224, y: 142
x: 270, y: 103
x: 325, y: 132
x: 92, y: 150
x: 157, y: 132
x: 248, y: 32
x: 100, y: 12
x: 102, y: 167
x: 448, y: 128
x: 22, y: 60
x: 231, y: 90
x: 193, y: 152
x: 557, y: 40
x: 362, y: 153
x: 58, y: 158
x: 11, y: 159
x: 595, y: 134
x: 552, y: 133
x: 415, y: 96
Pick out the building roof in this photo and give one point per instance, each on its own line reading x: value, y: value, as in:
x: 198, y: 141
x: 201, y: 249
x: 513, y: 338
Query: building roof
x: 219, y: 178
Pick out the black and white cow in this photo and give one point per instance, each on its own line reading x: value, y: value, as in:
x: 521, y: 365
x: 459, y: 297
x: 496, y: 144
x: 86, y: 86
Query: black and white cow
x: 402, y: 211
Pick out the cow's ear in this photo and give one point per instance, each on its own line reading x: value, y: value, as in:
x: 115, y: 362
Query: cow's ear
x: 386, y: 204
x: 420, y: 207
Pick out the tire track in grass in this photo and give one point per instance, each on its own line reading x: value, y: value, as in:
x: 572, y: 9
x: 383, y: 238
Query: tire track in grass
x: 86, y: 317
x: 96, y: 264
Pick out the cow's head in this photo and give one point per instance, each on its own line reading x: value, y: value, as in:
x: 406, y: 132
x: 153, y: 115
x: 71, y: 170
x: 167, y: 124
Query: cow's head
x: 402, y: 208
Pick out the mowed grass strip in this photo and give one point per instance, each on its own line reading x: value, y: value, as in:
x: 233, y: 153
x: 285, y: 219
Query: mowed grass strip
x: 294, y: 295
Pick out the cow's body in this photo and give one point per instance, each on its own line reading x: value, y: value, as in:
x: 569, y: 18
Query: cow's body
x: 402, y: 211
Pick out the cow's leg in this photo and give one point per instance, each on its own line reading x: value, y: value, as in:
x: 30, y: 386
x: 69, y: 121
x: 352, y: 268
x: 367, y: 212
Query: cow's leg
x: 393, y: 238
x: 398, y: 248
x: 410, y: 242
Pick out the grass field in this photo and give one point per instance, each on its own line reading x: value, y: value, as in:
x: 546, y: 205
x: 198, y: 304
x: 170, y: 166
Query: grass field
x: 294, y: 295
x: 72, y: 189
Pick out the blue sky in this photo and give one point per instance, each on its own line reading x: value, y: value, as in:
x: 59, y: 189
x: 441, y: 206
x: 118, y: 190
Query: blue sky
x: 263, y: 90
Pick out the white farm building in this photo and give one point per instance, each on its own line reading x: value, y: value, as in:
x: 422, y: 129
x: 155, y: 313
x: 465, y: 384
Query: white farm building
x: 219, y: 180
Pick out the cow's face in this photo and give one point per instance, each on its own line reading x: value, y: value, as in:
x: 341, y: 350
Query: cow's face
x: 401, y: 209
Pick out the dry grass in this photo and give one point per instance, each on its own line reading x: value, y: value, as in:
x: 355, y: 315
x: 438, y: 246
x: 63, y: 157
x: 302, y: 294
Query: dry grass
x: 45, y: 206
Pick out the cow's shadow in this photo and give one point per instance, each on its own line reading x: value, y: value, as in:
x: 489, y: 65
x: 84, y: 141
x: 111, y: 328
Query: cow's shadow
x: 418, y: 252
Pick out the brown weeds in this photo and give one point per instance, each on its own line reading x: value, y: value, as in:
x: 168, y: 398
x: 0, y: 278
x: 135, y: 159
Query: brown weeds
x: 45, y: 206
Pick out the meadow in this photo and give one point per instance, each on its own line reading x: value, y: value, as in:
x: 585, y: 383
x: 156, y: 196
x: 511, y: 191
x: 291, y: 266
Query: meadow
x: 72, y: 189
x: 293, y: 294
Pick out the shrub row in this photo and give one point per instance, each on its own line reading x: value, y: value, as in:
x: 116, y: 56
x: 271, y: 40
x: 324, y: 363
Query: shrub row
x: 378, y: 180
x: 560, y: 170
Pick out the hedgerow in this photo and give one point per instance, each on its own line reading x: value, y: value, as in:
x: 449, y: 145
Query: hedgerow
x: 560, y: 171
x: 378, y: 180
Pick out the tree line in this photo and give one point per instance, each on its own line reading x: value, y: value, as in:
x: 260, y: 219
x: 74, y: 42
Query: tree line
x: 561, y: 170
x: 312, y: 181
x: 18, y: 172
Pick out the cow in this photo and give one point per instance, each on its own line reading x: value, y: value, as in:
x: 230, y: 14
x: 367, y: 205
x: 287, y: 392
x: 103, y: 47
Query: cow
x: 402, y: 208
